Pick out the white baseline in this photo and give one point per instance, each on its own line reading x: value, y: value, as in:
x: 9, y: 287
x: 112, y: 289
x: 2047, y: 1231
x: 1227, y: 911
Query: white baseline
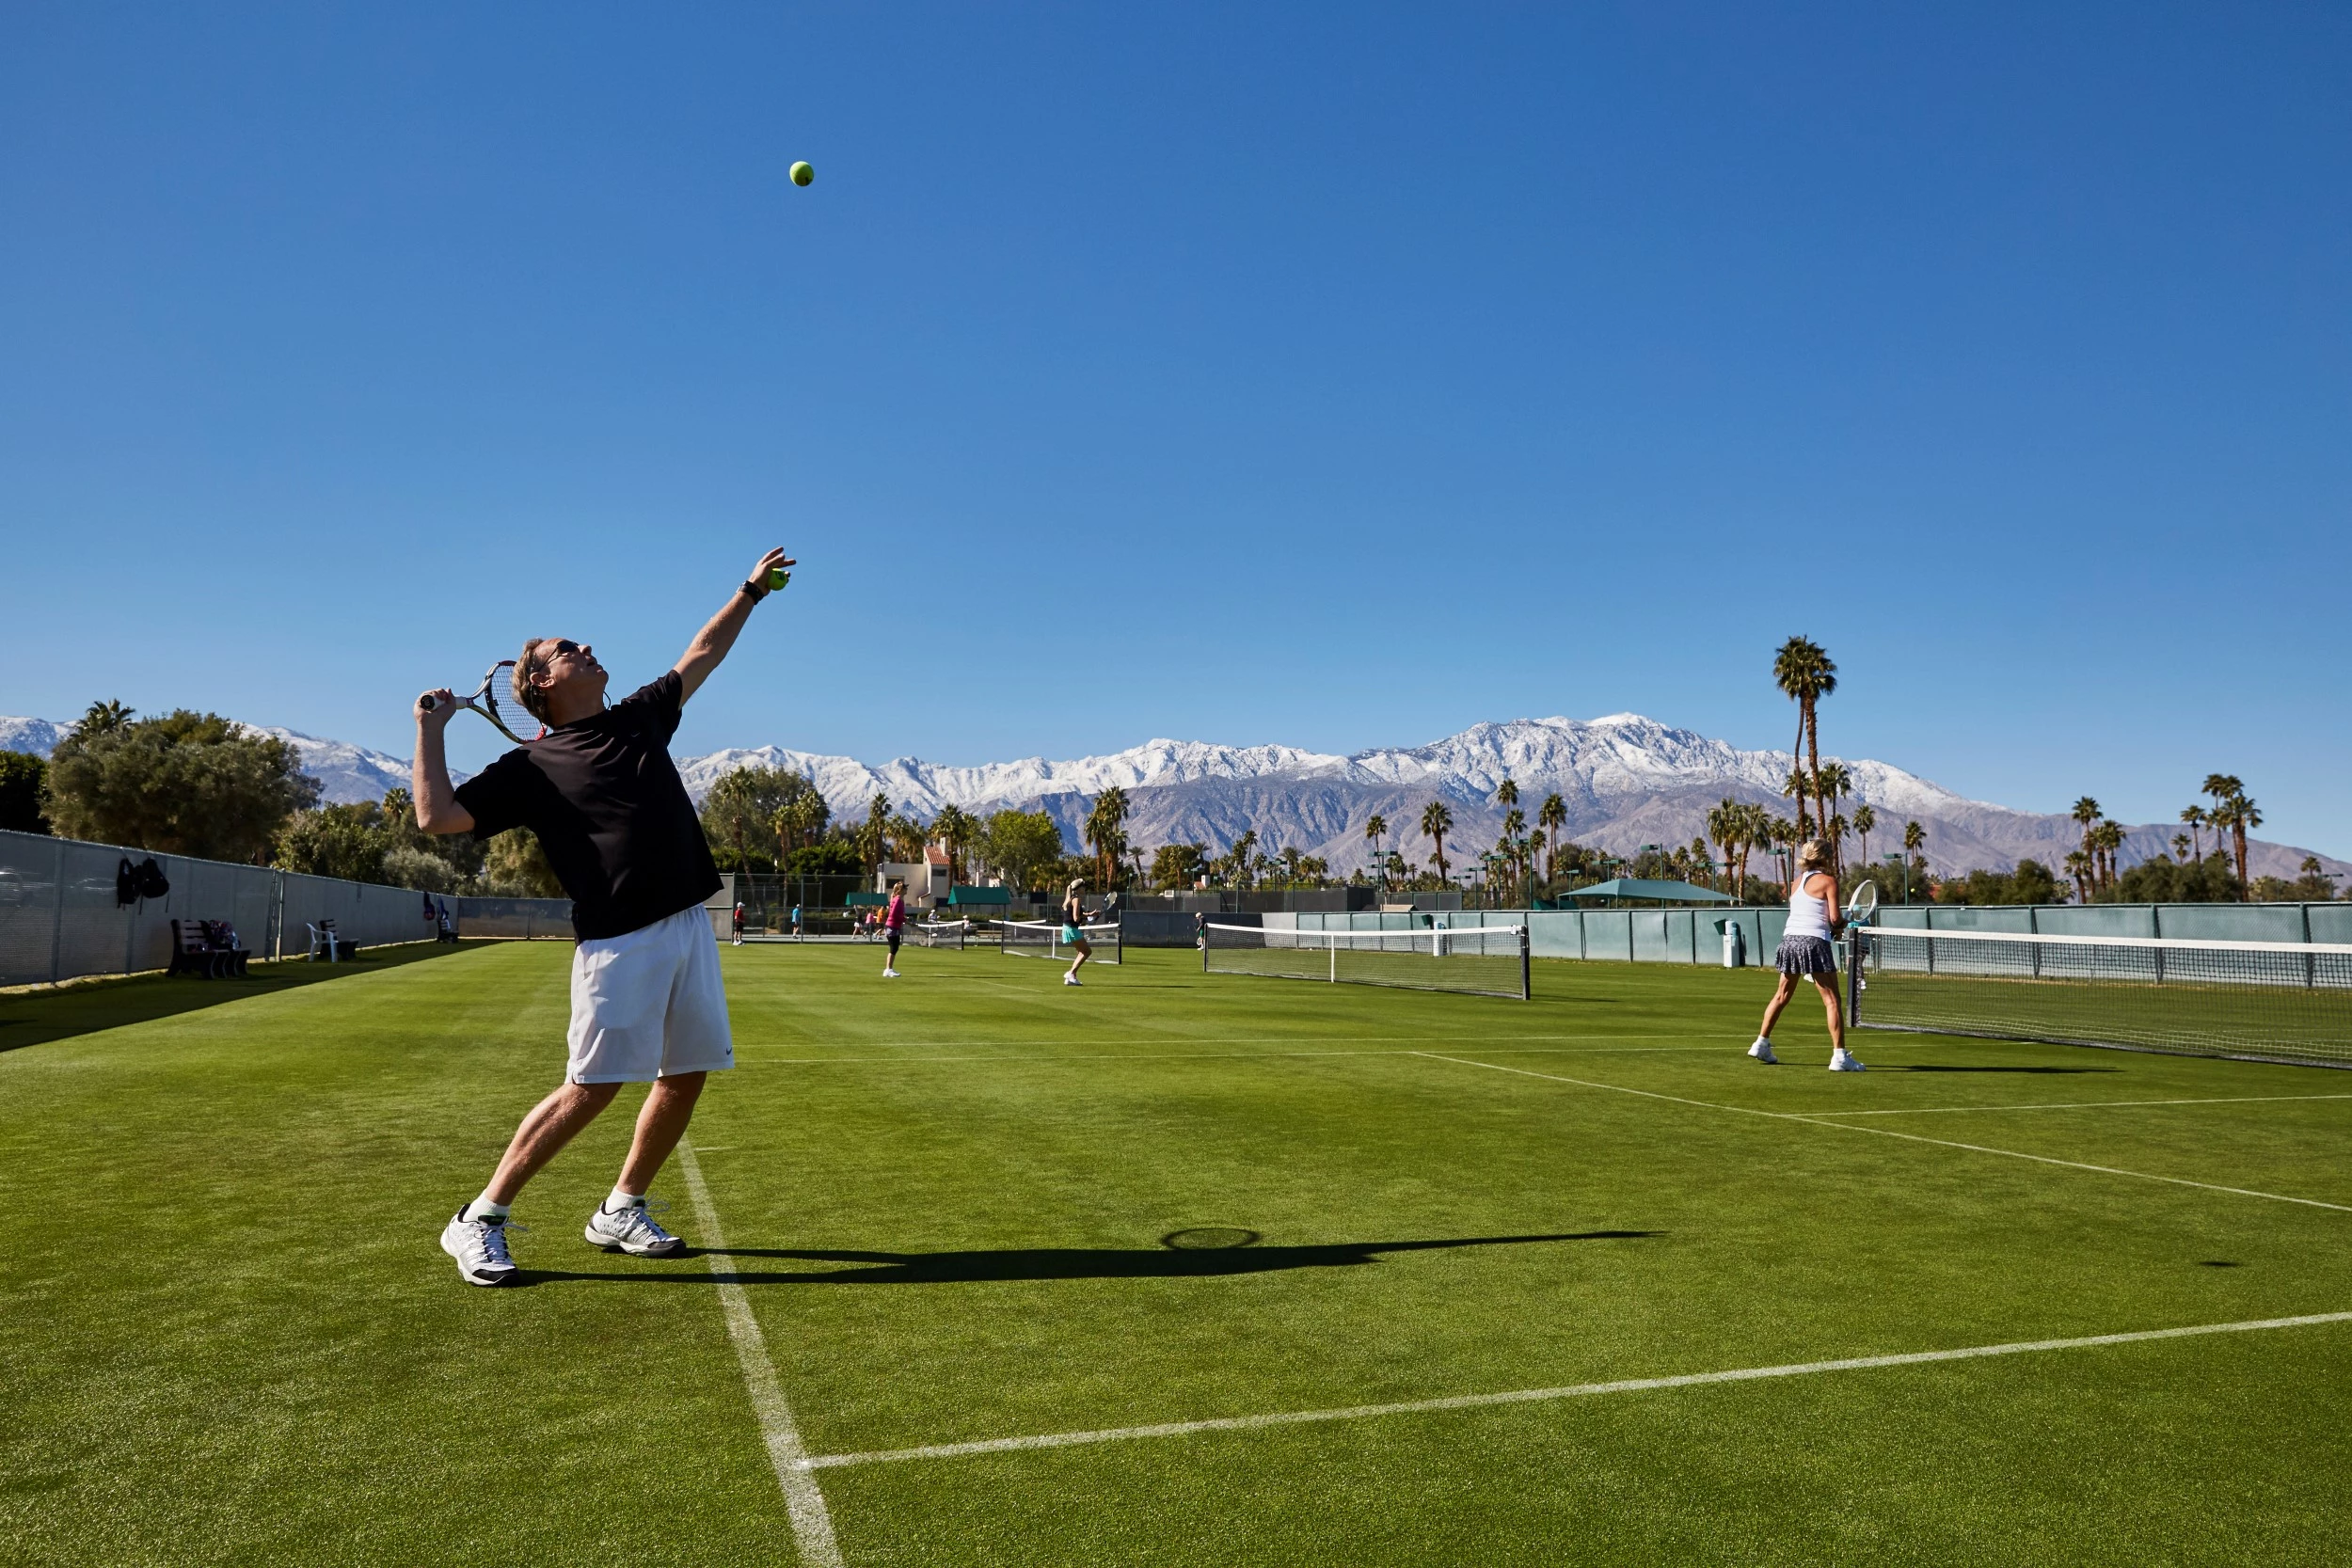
x: 1535, y: 1396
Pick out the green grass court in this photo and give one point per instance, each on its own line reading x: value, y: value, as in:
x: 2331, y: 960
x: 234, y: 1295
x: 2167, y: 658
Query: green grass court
x: 229, y: 1336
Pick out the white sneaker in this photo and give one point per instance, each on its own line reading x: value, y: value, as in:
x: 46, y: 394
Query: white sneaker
x: 480, y: 1248
x: 631, y: 1231
x: 1070, y: 979
x: 890, y: 975
x: 1763, y: 1052
x: 1841, y: 1060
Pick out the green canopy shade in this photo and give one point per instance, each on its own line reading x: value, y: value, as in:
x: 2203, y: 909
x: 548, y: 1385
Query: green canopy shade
x: 960, y: 895
x: 1664, y: 892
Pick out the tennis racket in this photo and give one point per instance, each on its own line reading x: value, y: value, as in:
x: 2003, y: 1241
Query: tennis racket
x: 495, y: 700
x: 1863, y: 906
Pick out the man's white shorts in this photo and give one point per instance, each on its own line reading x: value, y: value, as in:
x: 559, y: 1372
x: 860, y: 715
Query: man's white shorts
x: 649, y: 1003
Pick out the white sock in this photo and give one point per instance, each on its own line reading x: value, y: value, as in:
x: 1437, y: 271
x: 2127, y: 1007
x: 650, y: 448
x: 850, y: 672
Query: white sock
x: 1761, y: 1040
x: 483, y: 1209
x: 620, y: 1201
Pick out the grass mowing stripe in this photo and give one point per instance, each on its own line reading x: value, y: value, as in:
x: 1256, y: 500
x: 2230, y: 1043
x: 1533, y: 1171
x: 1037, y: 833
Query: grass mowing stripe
x: 2079, y: 1105
x: 1535, y: 1396
x: 1890, y: 1132
x: 812, y: 1526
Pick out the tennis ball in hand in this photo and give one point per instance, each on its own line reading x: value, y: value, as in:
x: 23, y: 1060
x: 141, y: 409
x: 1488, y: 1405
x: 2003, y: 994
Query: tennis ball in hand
x: 778, y: 577
x: 802, y: 174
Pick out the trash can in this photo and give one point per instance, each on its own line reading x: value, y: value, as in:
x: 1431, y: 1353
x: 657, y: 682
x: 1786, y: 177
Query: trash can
x: 1735, y: 944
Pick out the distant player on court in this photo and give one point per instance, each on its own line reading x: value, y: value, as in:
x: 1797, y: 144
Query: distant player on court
x: 894, y: 928
x: 739, y: 923
x: 1807, y: 953
x: 610, y: 812
x: 1074, y: 929
x: 796, y: 923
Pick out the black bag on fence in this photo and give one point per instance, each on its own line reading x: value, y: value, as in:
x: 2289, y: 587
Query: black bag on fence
x: 143, y: 880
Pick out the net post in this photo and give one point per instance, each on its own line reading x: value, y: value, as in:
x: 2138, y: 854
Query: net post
x: 1333, y: 945
x: 1853, y: 975
x: 1526, y: 992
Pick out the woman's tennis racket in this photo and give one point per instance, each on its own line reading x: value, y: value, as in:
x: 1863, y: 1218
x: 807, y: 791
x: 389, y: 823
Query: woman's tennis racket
x: 1864, y: 905
x: 495, y: 700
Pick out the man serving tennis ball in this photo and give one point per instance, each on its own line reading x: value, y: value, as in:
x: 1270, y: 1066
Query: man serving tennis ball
x: 612, y: 816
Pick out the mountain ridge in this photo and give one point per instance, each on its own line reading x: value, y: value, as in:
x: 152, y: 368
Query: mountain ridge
x: 1626, y: 781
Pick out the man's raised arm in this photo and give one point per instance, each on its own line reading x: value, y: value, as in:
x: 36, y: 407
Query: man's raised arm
x: 437, y: 811
x: 711, y: 643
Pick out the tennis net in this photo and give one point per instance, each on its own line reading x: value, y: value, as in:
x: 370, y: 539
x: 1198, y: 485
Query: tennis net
x: 1483, y: 960
x: 2272, y: 1001
x: 1041, y: 939
x: 938, y: 933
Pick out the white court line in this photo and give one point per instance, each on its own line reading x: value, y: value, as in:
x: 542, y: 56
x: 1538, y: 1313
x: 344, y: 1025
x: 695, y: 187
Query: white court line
x: 1534, y: 1396
x: 812, y: 1526
x: 1890, y: 1132
x: 2077, y: 1104
x: 742, y: 1055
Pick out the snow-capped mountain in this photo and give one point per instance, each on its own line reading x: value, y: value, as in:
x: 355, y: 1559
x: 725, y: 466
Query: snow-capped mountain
x: 1626, y: 781
x: 37, y: 735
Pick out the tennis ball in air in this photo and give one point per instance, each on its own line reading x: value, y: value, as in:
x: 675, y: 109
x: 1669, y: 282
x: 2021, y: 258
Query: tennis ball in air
x: 802, y: 174
x: 778, y: 577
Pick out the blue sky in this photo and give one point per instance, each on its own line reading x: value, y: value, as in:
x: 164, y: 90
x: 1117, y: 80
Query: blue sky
x: 1338, y: 376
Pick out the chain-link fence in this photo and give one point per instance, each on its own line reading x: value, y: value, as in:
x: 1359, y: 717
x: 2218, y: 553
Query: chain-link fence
x: 62, y: 916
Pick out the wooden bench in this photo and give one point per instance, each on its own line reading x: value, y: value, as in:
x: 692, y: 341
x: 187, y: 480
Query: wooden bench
x: 206, y: 948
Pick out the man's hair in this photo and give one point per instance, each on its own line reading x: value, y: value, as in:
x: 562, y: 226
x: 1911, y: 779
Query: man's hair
x: 1813, y: 855
x: 533, y: 699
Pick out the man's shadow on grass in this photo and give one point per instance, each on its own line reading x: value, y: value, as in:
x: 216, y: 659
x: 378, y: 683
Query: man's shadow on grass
x: 1044, y: 1263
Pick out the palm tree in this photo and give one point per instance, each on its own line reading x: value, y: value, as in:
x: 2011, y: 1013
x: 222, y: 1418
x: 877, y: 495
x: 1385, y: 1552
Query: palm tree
x: 954, y: 829
x: 2180, y: 847
x: 1722, y: 828
x: 2108, y: 840
x: 1863, y: 821
x: 1506, y: 793
x: 2232, y: 811
x: 102, y: 718
x: 2195, y: 818
x: 1551, y: 816
x: 2078, y: 868
x: 1104, y: 830
x: 1805, y: 674
x: 1514, y: 826
x: 2245, y: 817
x: 1915, y: 846
x: 1792, y: 788
x: 1435, y: 822
x: 2086, y: 813
x: 1376, y: 829
x: 1838, y: 783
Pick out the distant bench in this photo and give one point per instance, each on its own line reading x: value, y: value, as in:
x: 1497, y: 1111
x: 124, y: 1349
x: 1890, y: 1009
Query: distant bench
x: 206, y: 948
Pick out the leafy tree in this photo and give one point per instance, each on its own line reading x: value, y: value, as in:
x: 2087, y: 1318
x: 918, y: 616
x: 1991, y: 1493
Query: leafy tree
x: 738, y: 814
x: 345, y: 841
x: 2164, y: 881
x: 1179, y: 865
x: 1376, y: 829
x: 1551, y: 816
x: 829, y: 857
x: 1022, y: 845
x: 2032, y: 882
x: 1865, y: 818
x: 186, y: 783
x: 515, y: 866
x: 22, y: 777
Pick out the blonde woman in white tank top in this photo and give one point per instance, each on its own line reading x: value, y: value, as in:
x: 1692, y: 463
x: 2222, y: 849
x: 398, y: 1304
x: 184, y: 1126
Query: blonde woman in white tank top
x: 1807, y: 951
